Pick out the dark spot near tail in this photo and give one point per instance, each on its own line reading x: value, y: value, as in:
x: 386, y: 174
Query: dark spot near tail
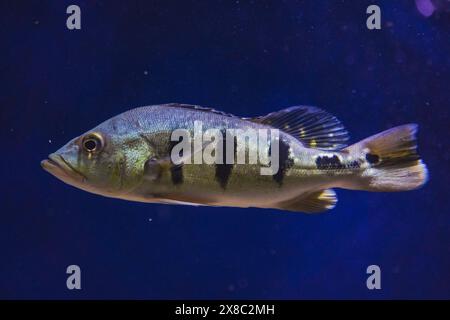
x: 223, y: 170
x: 328, y: 163
x: 285, y: 162
x: 176, y: 172
x: 372, y: 158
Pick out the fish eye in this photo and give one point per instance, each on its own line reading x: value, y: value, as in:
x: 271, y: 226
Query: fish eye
x: 92, y: 143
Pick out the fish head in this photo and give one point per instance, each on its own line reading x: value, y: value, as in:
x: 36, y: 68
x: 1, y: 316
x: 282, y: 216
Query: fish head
x: 105, y: 160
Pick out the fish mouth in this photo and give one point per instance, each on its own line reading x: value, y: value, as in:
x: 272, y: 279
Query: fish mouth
x: 59, y: 167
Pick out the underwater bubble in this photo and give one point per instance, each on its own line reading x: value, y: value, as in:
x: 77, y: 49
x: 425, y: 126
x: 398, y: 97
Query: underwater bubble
x: 425, y: 7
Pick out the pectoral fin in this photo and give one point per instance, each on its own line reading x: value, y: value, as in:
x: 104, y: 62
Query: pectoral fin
x: 315, y: 202
x: 154, y: 168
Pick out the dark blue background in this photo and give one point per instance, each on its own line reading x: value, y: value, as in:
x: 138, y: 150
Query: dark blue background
x: 247, y: 58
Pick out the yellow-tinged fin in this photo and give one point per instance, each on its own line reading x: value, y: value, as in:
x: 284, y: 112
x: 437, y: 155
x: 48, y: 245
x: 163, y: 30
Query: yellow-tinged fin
x: 314, y: 202
x: 154, y: 168
x: 393, y: 161
x: 314, y: 127
x: 191, y: 199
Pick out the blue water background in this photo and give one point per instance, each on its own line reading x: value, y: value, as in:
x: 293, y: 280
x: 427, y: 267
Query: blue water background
x: 244, y: 57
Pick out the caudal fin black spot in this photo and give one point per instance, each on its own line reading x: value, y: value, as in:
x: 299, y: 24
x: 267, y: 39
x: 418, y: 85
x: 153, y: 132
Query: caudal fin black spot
x: 372, y: 158
x: 394, y: 164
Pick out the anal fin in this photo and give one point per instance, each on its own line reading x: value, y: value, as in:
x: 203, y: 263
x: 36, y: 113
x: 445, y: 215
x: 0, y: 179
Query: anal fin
x: 314, y: 202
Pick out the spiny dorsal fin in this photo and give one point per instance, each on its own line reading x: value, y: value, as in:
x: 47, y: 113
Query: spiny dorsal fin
x: 314, y: 127
x: 199, y: 108
x: 315, y: 202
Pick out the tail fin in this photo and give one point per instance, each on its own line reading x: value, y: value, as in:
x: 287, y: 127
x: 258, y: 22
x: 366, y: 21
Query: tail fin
x: 392, y: 161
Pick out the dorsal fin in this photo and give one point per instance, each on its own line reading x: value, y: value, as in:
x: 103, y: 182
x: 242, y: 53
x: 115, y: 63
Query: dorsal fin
x: 314, y: 127
x: 199, y: 108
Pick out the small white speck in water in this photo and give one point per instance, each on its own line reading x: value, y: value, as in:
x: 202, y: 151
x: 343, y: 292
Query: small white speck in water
x: 49, y: 140
x: 150, y: 219
x: 145, y: 72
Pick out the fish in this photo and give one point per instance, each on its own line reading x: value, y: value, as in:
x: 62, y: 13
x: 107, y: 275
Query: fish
x: 130, y: 157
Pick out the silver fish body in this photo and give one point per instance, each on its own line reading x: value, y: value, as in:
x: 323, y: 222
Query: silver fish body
x: 129, y: 157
